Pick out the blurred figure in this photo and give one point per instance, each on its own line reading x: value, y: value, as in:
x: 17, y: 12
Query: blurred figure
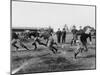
x: 63, y: 35
x: 74, y: 31
x: 66, y: 28
x: 81, y: 30
x: 83, y: 40
x: 59, y: 33
x: 51, y: 44
x: 50, y: 30
x: 38, y: 40
x: 14, y: 40
x: 22, y: 39
x: 18, y: 38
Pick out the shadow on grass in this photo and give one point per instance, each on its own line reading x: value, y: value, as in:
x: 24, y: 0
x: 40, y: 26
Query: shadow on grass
x: 51, y: 64
x: 21, y: 58
x: 57, y: 60
x: 88, y: 56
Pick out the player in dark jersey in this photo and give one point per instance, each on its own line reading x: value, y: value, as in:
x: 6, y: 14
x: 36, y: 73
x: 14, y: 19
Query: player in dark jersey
x: 37, y: 40
x: 82, y: 46
x: 14, y: 40
x: 18, y: 38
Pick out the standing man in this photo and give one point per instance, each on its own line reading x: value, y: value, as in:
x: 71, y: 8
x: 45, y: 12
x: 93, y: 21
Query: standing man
x: 74, y: 31
x: 63, y: 35
x: 59, y: 33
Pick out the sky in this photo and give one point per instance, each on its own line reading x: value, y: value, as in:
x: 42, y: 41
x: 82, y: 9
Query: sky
x: 37, y: 15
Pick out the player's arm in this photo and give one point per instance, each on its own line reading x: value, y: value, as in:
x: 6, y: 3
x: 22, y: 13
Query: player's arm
x: 89, y: 35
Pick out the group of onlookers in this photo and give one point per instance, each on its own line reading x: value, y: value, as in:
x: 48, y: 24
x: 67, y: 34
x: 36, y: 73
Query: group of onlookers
x: 61, y: 35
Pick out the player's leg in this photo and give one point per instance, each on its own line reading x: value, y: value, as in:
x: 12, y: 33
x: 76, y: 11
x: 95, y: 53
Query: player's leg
x: 76, y: 53
x: 86, y: 49
x: 71, y: 42
x: 54, y: 48
x: 14, y: 41
x: 22, y: 45
x: 55, y: 43
x: 34, y: 43
x: 77, y: 50
x: 84, y: 43
x: 46, y: 41
x: 41, y: 42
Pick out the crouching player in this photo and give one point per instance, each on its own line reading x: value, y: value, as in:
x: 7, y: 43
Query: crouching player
x: 51, y: 44
x: 14, y: 40
x: 82, y: 42
x: 21, y: 40
x: 37, y: 40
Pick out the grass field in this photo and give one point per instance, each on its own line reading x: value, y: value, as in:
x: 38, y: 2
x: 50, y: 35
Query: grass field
x: 43, y: 60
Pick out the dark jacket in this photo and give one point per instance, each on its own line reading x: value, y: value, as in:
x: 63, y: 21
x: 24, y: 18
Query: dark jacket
x: 58, y: 33
x: 84, y: 37
x: 14, y: 35
x: 74, y: 31
x: 63, y: 34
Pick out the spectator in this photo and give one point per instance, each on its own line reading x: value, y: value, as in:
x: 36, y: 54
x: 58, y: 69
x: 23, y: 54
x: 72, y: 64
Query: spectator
x: 59, y: 35
x: 63, y: 35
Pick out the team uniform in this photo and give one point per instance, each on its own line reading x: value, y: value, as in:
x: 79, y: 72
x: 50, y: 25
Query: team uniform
x: 74, y: 32
x: 18, y: 38
x: 51, y: 44
x: 37, y: 40
x: 14, y: 40
x: 22, y: 39
x: 82, y: 44
x: 83, y: 39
